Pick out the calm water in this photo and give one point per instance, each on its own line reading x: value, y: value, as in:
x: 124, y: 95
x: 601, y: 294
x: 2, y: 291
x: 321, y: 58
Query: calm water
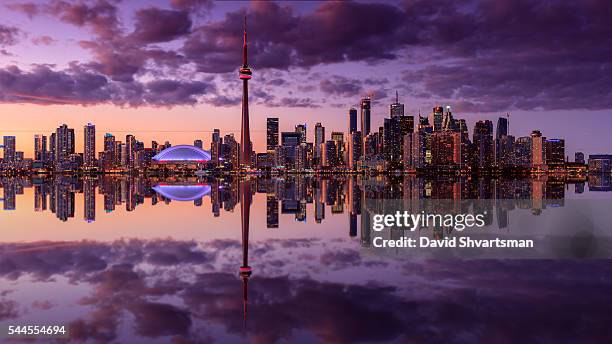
x: 133, y: 260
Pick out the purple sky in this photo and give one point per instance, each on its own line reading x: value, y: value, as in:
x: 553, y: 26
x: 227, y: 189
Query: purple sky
x: 134, y: 64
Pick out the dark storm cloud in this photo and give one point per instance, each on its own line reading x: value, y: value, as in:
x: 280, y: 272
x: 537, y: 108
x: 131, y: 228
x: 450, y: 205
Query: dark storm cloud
x: 153, y: 25
x: 80, y: 85
x: 478, y: 55
x: 515, y: 54
x: 335, y: 32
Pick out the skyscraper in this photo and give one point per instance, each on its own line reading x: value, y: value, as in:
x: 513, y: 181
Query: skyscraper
x: 301, y: 129
x: 352, y: 120
x: 40, y: 148
x: 483, y: 143
x: 10, y: 143
x: 130, y: 148
x: 64, y: 143
x: 245, y: 133
x: 89, y: 151
x: 271, y: 133
x: 215, y: 147
x: 555, y: 152
x: 198, y: 143
x: 396, y: 109
x: 502, y: 127
x: 318, y: 143
x: 437, y: 118
x: 365, y: 116
x: 338, y: 138
x: 538, y: 149
x: 355, y: 149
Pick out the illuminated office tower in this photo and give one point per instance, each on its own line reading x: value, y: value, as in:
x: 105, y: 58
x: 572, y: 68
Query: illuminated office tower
x: 40, y: 148
x: 215, y: 147
x: 502, y: 142
x: 289, y: 142
x: 301, y: 129
x: 271, y: 133
x: 330, y: 154
x: 448, y: 122
x: 437, y: 118
x: 130, y: 146
x: 446, y: 148
x: 365, y: 116
x: 413, y: 151
x: 10, y: 147
x: 319, y: 139
x: 89, y: 149
x: 124, y: 159
x: 52, y: 147
x: 396, y: 109
x: 521, y: 151
x: 338, y: 138
x: 64, y: 143
x: 483, y: 144
x: 555, y: 152
x: 355, y: 149
x: 538, y: 149
x: 198, y: 143
x: 352, y: 120
x: 504, y: 151
x: 109, y: 143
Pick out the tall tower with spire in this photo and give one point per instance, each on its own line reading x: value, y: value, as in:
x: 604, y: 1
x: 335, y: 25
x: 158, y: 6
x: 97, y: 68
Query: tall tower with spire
x: 396, y: 109
x: 245, y: 134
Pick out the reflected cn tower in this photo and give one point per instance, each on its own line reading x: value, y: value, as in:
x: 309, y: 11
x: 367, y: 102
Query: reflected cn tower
x: 245, y: 197
x: 245, y: 134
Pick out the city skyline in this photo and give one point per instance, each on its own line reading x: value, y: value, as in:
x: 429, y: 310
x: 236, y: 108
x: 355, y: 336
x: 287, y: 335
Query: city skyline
x: 302, y: 89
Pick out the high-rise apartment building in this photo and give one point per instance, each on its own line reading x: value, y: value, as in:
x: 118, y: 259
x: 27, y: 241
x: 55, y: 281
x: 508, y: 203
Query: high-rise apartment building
x: 40, y: 148
x: 271, y: 133
x: 352, y: 120
x: 89, y: 149
x: 365, y: 115
x: 10, y: 148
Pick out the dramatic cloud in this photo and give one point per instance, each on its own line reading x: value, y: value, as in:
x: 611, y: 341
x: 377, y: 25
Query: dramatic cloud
x: 133, y: 297
x: 154, y: 25
x: 78, y: 85
x: 477, y: 55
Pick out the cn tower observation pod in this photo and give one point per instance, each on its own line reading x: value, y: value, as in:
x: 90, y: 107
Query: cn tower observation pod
x: 182, y: 153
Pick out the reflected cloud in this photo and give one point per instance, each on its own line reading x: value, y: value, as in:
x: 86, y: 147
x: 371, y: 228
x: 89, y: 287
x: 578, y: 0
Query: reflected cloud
x: 170, y: 289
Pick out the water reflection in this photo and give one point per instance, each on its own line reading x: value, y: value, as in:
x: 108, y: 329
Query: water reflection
x: 305, y: 289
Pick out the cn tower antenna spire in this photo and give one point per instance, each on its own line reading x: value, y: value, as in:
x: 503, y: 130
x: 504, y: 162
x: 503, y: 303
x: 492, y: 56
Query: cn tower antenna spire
x: 244, y: 45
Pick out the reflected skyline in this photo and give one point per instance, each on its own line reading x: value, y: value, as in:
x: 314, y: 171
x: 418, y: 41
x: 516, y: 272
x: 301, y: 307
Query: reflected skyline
x: 317, y: 277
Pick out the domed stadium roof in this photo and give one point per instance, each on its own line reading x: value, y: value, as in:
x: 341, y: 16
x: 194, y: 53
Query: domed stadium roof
x: 182, y: 153
x: 182, y: 192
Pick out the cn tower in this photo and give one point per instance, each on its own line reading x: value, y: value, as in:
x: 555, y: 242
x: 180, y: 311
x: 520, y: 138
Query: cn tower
x: 245, y: 134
